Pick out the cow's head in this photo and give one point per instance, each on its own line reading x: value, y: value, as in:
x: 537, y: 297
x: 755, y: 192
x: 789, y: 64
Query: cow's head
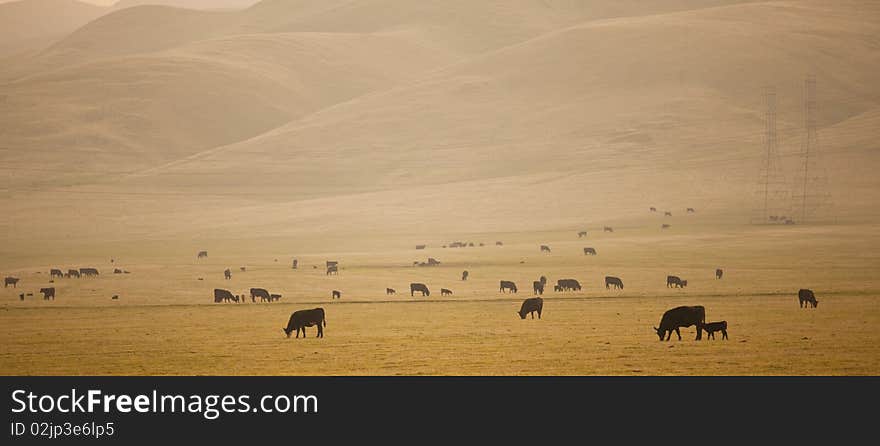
x: 522, y: 314
x: 287, y: 331
x: 660, y: 333
x: 815, y: 303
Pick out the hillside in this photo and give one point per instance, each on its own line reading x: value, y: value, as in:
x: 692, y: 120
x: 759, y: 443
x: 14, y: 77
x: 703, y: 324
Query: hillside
x: 30, y: 25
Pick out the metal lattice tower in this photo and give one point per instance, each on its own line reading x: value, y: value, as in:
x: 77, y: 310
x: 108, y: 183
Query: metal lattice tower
x: 771, y: 183
x: 811, y: 186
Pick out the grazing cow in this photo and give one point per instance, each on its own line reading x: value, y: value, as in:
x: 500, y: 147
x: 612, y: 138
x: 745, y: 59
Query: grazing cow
x: 202, y: 254
x: 712, y: 327
x: 390, y: 291
x: 10, y: 281
x: 582, y: 234
x: 464, y: 275
x: 336, y: 294
x: 807, y: 298
x: 499, y: 244
x: 718, y: 273
x: 73, y: 273
x: 420, y: 287
x: 227, y: 274
x: 272, y: 297
x: 88, y: 272
x: 608, y: 229
x: 221, y: 295
x: 665, y: 226
x: 682, y: 317
x: 589, y: 251
x: 420, y: 246
x: 295, y: 264
x: 114, y: 297
x: 507, y: 285
x: 56, y: 273
x: 690, y: 210
x: 538, y: 287
x: 301, y: 319
x: 432, y: 261
x: 48, y: 293
x: 675, y: 282
x: 117, y: 271
x: 531, y: 306
x: 545, y: 248
x: 261, y: 293
x: 613, y: 281
x: 653, y: 209
x: 471, y: 244
x: 667, y: 214
x: 568, y: 285
x: 445, y: 292
x: 482, y: 244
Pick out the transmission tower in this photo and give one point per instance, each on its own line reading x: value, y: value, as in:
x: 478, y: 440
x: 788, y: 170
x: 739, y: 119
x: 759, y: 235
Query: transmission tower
x: 811, y: 194
x: 772, y: 188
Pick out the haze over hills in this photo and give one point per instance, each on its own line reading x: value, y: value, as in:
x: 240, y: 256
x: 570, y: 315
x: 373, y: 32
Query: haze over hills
x: 372, y: 114
x: 27, y: 25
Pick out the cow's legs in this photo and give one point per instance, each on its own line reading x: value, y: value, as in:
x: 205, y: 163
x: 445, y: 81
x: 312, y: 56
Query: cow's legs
x: 678, y: 333
x: 668, y: 334
x: 539, y: 314
x: 699, y: 332
x: 723, y: 334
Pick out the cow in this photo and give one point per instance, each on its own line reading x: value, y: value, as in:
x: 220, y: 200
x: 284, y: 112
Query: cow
x: 712, y: 327
x: 499, y: 244
x: 806, y: 298
x: 653, y: 209
x: 48, y: 293
x: 336, y: 294
x: 227, y: 274
x: 420, y: 246
x: 21, y: 296
x: 675, y: 282
x: 242, y: 268
x: 608, y: 229
x: 301, y: 319
x: 531, y: 306
x: 589, y: 251
x: 295, y: 264
x: 445, y: 292
x: 582, y: 234
x: 88, y: 272
x: 464, y: 275
x: 56, y: 273
x: 114, y: 297
x: 681, y: 317
x: 390, y: 291
x: 221, y: 295
x: 73, y: 273
x: 568, y: 285
x: 665, y: 226
x: 613, y: 281
x: 420, y: 287
x: 545, y: 248
x: 261, y: 293
x: 507, y: 285
x: 10, y: 281
x: 272, y: 297
x: 667, y: 214
x: 117, y: 271
x: 691, y: 210
x: 538, y: 287
x: 202, y: 254
x: 718, y: 273
x: 432, y: 261
x: 332, y: 270
x: 543, y: 280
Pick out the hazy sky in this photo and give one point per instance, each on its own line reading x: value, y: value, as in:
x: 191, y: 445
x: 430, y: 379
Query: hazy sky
x: 194, y: 3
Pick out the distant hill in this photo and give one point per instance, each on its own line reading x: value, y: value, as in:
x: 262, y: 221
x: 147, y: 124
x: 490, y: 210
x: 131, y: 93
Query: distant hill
x: 29, y: 25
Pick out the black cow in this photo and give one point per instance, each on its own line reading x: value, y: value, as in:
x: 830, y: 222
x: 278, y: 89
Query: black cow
x: 56, y: 273
x: 665, y: 226
x: 295, y: 264
x: 336, y: 294
x: 667, y: 214
x: 531, y: 306
x: 653, y: 209
x: 712, y: 327
x: 675, y: 282
x: 718, y: 273
x: 301, y: 319
x: 420, y: 246
x: 261, y: 293
x: 582, y: 234
x: 88, y: 272
x: 421, y: 287
x: 507, y: 285
x: 589, y: 251
x: 613, y: 281
x: 445, y: 292
x: 807, y: 298
x: 202, y: 254
x: 568, y: 285
x: 221, y: 295
x: 390, y: 291
x: 117, y: 271
x: 464, y: 275
x: 48, y: 293
x: 10, y: 281
x: 273, y: 297
x: 608, y: 229
x: 227, y: 274
x: 682, y: 317
x: 73, y: 273
x: 691, y: 210
x: 545, y: 248
x: 538, y: 287
x: 499, y: 244
x: 242, y: 268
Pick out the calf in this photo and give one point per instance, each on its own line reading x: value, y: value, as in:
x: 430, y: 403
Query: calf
x: 272, y: 297
x: 337, y: 294
x: 718, y: 273
x: 445, y: 292
x: 608, y: 229
x: 507, y: 285
x: 589, y: 251
x: 227, y: 274
x: 712, y: 327
x: 675, y: 282
x: 531, y: 306
x: 545, y: 248
x: 390, y: 291
x: 48, y: 293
